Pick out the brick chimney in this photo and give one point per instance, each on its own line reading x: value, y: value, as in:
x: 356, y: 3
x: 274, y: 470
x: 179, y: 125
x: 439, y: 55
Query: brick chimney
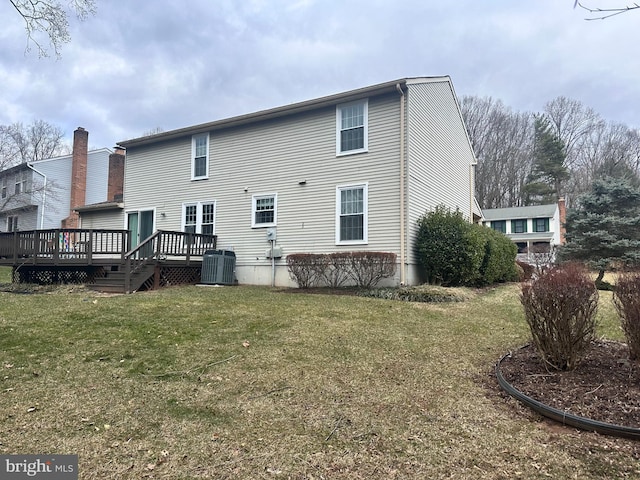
x: 562, y: 210
x: 116, y: 175
x: 78, y: 176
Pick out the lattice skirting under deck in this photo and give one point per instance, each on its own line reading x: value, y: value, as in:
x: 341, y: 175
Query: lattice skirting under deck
x: 56, y: 275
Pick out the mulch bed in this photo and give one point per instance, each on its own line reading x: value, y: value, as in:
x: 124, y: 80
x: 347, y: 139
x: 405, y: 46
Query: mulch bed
x: 605, y: 386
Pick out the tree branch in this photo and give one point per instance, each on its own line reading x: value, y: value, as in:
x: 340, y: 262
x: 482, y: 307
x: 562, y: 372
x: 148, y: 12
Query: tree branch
x: 603, y: 13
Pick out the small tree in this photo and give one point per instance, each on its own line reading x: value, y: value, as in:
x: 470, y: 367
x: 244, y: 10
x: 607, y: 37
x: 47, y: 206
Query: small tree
x: 560, y: 307
x: 604, y: 229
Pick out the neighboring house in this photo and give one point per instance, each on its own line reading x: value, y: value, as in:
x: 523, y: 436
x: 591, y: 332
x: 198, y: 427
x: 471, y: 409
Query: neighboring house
x: 43, y: 194
x: 535, y: 229
x: 348, y: 172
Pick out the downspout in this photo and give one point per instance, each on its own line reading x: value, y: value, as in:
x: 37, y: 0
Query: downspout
x: 44, y: 193
x: 403, y: 176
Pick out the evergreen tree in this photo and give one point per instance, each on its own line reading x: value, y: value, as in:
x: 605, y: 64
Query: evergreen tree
x: 544, y: 183
x: 604, y: 229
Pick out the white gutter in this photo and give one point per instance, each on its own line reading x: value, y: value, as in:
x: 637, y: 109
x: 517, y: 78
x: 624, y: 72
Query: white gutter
x: 403, y: 175
x: 44, y: 193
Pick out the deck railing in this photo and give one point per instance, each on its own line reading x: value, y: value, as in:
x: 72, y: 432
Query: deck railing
x: 62, y: 245
x: 163, y: 245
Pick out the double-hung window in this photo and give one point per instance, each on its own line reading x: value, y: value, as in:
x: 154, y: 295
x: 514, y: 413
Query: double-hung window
x: 4, y: 187
x: 499, y: 225
x: 540, y: 224
x: 351, y: 214
x: 199, y: 217
x: 200, y: 156
x: 12, y: 224
x: 352, y: 127
x: 518, y: 226
x: 264, y: 210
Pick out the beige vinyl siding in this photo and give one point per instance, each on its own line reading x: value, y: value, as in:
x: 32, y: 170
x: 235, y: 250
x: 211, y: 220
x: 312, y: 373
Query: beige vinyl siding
x: 273, y: 157
x: 103, y: 220
x: 439, y: 154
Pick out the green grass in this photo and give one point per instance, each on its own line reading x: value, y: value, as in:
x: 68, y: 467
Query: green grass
x: 5, y: 275
x: 251, y: 382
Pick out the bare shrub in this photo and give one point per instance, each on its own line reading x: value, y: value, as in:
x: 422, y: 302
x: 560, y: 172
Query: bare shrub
x: 560, y: 307
x: 542, y: 257
x: 337, y: 271
x: 365, y: 269
x: 626, y: 298
x: 368, y: 268
x: 306, y: 269
x: 527, y: 271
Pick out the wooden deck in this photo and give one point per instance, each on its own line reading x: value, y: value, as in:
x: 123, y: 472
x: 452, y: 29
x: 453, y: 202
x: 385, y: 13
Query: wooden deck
x: 103, y: 259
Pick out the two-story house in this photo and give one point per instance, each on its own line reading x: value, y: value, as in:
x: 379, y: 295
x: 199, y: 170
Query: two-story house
x: 347, y: 172
x: 534, y: 229
x: 44, y: 193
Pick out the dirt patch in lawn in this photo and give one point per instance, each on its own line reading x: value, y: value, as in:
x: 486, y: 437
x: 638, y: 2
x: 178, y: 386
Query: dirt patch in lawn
x: 604, y: 387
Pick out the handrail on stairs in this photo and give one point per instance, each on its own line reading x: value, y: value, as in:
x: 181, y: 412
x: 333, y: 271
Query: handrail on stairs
x: 164, y: 244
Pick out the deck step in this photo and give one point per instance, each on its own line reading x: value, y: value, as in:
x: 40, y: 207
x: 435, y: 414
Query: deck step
x: 114, y: 281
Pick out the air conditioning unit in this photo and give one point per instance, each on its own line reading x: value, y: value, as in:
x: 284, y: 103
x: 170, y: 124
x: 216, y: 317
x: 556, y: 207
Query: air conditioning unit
x: 218, y: 267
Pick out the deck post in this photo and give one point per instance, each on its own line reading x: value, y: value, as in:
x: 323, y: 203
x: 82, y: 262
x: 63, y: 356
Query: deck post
x: 15, y: 247
x: 90, y: 248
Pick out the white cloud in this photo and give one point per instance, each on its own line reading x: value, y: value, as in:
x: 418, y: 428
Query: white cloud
x: 140, y: 65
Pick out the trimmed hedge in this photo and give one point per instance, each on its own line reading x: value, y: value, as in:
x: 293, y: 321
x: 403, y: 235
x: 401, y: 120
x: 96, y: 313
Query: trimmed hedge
x: 363, y: 269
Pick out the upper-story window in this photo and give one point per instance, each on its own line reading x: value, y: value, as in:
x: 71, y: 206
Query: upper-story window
x: 12, y: 224
x: 351, y: 214
x: 518, y: 226
x: 540, y: 224
x: 4, y: 187
x: 352, y: 127
x: 499, y: 225
x: 21, y: 184
x: 264, y: 210
x: 200, y: 156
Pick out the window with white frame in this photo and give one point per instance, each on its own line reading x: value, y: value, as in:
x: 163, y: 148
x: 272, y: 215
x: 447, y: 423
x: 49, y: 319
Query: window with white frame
x: 352, y: 127
x: 12, y: 224
x: 200, y: 156
x: 351, y: 214
x: 4, y: 187
x: 199, y: 217
x: 264, y: 210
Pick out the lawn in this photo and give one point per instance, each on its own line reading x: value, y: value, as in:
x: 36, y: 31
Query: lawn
x: 253, y: 382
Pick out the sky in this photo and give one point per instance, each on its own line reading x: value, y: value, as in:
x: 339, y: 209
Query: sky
x: 142, y: 66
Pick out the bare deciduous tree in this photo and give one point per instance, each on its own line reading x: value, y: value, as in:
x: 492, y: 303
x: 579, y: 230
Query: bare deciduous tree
x: 502, y: 142
x: 49, y: 18
x: 21, y: 143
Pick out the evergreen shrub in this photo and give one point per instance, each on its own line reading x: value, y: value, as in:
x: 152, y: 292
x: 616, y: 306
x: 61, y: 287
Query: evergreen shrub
x: 453, y: 252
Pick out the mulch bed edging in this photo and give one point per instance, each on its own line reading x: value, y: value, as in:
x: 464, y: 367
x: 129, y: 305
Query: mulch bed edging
x: 563, y: 416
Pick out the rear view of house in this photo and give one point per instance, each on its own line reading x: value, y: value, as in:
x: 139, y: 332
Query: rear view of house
x: 347, y: 172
